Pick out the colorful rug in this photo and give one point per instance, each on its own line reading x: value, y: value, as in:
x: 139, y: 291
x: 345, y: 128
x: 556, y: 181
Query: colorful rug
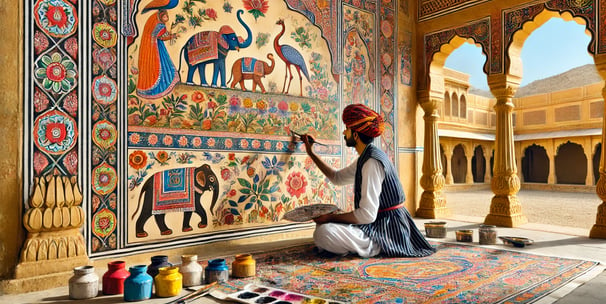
x: 174, y: 191
x: 454, y: 274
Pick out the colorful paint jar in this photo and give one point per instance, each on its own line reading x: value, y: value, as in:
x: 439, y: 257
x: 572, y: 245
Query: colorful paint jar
x: 191, y: 270
x: 216, y: 271
x: 113, y: 279
x: 138, y: 286
x: 157, y: 262
x: 84, y: 284
x: 243, y: 266
x: 169, y: 282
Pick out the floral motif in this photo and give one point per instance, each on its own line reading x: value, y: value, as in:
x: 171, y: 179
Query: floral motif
x: 104, y: 223
x: 105, y: 90
x: 40, y: 162
x: 295, y: 184
x: 70, y: 162
x: 57, y: 72
x: 137, y: 160
x: 104, y: 134
x: 104, y: 179
x: 105, y: 58
x: 257, y: 8
x: 55, y: 132
x: 71, y: 46
x: 70, y: 103
x: 105, y: 35
x: 40, y: 100
x: 40, y: 42
x: 162, y: 157
x: 56, y: 17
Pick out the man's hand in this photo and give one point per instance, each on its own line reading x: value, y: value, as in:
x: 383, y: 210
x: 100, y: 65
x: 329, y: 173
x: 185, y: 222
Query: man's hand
x: 308, y: 140
x: 322, y: 219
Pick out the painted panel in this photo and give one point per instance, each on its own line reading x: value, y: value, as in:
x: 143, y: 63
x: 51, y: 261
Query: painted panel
x: 199, y: 141
x: 433, y: 8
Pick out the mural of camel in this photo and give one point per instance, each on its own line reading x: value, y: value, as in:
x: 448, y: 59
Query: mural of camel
x: 251, y: 68
x: 290, y: 56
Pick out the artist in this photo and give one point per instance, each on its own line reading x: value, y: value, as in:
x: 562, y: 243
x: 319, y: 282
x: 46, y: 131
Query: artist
x: 379, y: 224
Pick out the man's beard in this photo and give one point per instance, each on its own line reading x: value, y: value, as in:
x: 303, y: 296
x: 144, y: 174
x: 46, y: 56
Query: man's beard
x: 350, y: 142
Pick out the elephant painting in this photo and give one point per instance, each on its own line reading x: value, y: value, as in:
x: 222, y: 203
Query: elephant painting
x: 176, y: 190
x: 251, y: 68
x: 212, y: 47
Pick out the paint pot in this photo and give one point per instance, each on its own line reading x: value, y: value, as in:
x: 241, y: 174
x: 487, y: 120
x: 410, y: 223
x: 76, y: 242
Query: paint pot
x: 488, y: 234
x: 435, y: 229
x: 138, y: 286
x: 113, y: 279
x: 157, y: 262
x: 464, y: 236
x: 169, y: 282
x: 191, y: 270
x: 243, y: 266
x: 84, y: 284
x: 216, y: 271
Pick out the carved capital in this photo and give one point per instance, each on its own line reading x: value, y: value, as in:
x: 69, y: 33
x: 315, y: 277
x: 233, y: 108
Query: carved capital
x: 507, y: 184
x: 433, y: 182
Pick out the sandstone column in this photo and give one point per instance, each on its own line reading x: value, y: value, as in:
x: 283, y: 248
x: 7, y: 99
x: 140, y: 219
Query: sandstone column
x: 448, y: 155
x: 551, y: 177
x: 599, y: 228
x: 589, y: 176
x: 433, y: 203
x: 469, y: 155
x: 487, y: 156
x: 505, y: 209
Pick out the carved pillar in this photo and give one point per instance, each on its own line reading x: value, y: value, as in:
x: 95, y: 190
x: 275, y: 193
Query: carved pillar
x: 551, y: 177
x: 433, y: 203
x: 54, y: 242
x: 599, y: 228
x: 469, y: 174
x: 505, y: 209
x: 589, y: 177
x: 487, y: 155
x: 448, y: 155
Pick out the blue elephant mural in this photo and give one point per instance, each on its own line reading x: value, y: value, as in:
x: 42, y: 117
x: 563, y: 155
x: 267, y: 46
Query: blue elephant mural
x: 176, y: 190
x: 212, y: 47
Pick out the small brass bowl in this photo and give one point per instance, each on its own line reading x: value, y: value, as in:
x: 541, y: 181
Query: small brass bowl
x: 435, y: 229
x: 464, y: 236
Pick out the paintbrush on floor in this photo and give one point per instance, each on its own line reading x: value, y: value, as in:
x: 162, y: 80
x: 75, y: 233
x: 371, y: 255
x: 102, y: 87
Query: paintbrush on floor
x: 204, y: 290
x: 313, y: 141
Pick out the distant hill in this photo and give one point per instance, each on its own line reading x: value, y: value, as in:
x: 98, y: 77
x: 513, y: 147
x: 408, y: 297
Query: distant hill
x: 573, y: 78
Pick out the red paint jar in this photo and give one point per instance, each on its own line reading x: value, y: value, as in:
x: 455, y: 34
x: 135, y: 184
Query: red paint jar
x: 113, y: 279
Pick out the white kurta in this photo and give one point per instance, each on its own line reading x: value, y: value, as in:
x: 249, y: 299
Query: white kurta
x: 346, y: 238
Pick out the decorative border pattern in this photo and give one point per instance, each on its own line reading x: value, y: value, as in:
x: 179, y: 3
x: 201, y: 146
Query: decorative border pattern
x: 387, y: 67
x: 429, y: 9
x: 479, y: 31
x: 104, y: 118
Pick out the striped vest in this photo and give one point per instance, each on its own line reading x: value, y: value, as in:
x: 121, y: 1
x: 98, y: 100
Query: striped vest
x: 392, y: 193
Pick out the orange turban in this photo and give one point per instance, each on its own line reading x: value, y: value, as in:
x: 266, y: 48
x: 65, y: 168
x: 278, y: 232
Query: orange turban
x: 363, y: 119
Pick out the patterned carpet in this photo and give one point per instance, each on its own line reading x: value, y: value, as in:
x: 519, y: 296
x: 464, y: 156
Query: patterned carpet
x: 455, y: 274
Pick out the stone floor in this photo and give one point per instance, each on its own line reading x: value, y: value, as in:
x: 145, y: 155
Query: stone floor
x: 573, y: 215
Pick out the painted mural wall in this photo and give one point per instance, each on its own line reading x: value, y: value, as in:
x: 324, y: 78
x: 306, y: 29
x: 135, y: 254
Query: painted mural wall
x: 177, y: 115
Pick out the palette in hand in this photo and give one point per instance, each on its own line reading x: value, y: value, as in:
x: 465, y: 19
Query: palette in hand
x: 260, y: 294
x: 309, y: 212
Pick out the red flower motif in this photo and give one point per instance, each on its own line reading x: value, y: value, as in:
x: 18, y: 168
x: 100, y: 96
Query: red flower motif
x: 55, y: 132
x: 197, y: 97
x: 137, y: 160
x: 55, y: 71
x: 229, y: 219
x: 295, y: 184
x: 225, y: 174
x: 56, y: 16
x: 259, y: 5
x: 211, y: 13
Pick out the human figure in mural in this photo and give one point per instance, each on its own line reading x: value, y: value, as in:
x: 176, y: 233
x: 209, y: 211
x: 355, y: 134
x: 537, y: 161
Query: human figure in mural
x: 157, y: 73
x: 356, y: 68
x: 379, y: 223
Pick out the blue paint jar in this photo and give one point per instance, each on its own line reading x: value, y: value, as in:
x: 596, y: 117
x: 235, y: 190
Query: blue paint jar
x: 138, y: 286
x: 216, y: 271
x: 157, y: 261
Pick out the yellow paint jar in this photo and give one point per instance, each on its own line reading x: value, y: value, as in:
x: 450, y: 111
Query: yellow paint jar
x: 168, y: 282
x: 243, y: 266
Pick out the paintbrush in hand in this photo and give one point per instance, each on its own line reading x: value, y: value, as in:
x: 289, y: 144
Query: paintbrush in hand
x: 311, y: 139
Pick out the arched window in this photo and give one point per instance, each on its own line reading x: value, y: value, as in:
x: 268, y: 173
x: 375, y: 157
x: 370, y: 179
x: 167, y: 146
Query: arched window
x: 463, y: 106
x: 458, y: 165
x: 571, y: 164
x: 446, y: 104
x: 535, y: 165
x: 478, y: 165
x: 455, y: 105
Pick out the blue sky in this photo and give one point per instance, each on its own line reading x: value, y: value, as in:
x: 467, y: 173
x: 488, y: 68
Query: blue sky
x: 555, y: 47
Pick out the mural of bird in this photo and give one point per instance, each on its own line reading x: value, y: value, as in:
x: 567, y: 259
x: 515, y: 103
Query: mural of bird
x: 160, y: 4
x: 290, y: 56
